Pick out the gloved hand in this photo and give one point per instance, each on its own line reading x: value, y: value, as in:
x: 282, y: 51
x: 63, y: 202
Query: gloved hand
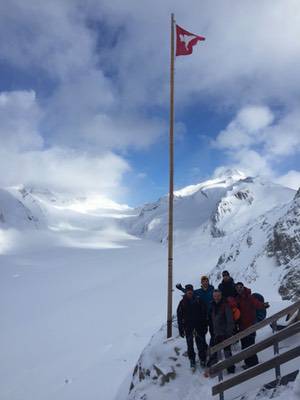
x: 179, y: 286
x: 181, y: 333
x: 266, y: 304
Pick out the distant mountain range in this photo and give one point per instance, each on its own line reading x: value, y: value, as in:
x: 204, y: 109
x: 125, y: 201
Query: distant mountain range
x: 252, y: 224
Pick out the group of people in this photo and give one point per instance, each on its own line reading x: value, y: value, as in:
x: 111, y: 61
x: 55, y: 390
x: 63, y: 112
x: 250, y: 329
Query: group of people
x: 223, y: 312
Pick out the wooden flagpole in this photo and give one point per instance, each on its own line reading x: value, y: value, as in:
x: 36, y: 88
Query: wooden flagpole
x: 171, y: 184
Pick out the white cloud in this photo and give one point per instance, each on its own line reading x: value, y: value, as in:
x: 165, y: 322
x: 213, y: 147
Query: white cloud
x: 128, y: 71
x: 246, y: 128
x: 51, y: 36
x: 105, y: 81
x: 254, y: 126
x: 19, y: 121
x: 256, y: 142
x: 25, y: 160
x: 251, y: 163
x: 254, y: 118
x: 87, y: 107
x: 244, y: 59
x: 291, y: 179
x: 65, y: 170
x: 283, y: 138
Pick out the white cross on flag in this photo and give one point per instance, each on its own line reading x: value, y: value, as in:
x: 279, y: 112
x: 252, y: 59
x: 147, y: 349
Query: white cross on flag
x: 185, y: 41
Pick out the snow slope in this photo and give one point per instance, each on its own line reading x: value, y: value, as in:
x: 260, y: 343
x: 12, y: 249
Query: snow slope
x: 66, y: 210
x: 15, y: 214
x: 267, y: 250
x: 253, y: 227
x: 230, y: 221
x: 71, y: 325
x: 222, y: 205
x: 162, y: 373
x: 66, y: 301
x: 82, y: 283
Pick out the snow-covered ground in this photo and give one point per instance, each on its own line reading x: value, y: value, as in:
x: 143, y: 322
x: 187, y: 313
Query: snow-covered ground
x: 83, y: 280
x: 74, y: 320
x: 162, y: 373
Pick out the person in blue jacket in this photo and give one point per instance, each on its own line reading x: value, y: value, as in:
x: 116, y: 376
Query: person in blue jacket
x: 205, y: 293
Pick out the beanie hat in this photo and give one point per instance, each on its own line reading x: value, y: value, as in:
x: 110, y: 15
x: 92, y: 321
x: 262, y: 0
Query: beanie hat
x: 204, y: 278
x: 189, y: 287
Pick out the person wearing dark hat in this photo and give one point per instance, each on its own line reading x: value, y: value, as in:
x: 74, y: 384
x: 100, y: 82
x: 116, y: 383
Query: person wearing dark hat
x: 192, y: 320
x: 205, y: 293
x: 227, y: 286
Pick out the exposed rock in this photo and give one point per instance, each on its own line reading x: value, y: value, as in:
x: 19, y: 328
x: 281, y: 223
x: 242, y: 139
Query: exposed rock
x: 290, y: 285
x: 275, y: 235
x: 15, y: 214
x: 285, y: 243
x: 249, y: 241
x: 164, y: 375
x: 177, y: 350
x: 244, y: 195
x: 219, y: 206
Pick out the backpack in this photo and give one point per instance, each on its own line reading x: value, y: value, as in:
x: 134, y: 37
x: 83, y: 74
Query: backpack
x: 234, y: 308
x: 260, y: 314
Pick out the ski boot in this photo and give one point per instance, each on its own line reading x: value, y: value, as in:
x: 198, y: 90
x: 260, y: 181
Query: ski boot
x: 193, y: 365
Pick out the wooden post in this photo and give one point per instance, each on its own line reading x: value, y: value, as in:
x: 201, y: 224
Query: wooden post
x: 171, y: 184
x: 256, y: 370
x: 276, y: 351
x: 220, y: 375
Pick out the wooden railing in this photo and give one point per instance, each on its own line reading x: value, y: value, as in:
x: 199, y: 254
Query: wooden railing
x: 268, y: 321
x: 273, y: 340
x: 257, y: 370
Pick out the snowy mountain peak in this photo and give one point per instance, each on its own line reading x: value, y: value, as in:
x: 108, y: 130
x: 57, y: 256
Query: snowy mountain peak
x: 221, y: 205
x: 228, y: 173
x: 223, y: 179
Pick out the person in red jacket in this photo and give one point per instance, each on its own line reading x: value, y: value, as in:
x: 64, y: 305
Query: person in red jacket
x: 248, y: 304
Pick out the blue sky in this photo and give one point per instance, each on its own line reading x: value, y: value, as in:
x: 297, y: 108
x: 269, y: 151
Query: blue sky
x: 195, y: 158
x: 84, y: 94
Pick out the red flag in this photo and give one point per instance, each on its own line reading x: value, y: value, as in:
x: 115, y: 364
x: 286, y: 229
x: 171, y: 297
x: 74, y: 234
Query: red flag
x: 185, y: 41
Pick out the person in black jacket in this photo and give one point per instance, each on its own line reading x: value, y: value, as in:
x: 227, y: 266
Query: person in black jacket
x: 205, y: 293
x: 192, y: 319
x: 227, y: 286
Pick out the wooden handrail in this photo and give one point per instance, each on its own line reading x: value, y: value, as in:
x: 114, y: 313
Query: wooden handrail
x: 249, y: 351
x: 255, y: 327
x: 257, y: 370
